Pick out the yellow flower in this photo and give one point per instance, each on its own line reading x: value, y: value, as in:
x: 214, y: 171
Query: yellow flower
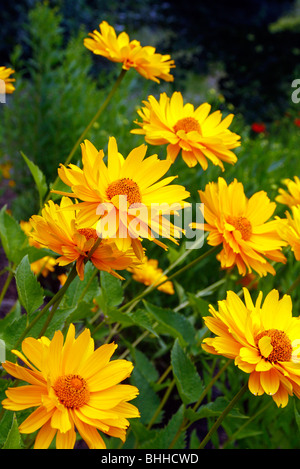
x: 292, y: 195
x: 62, y: 279
x: 72, y: 386
x: 131, y: 54
x: 262, y: 339
x: 43, y: 266
x: 198, y: 135
x: 5, y: 75
x: 149, y: 273
x: 289, y: 230
x: 125, y: 197
x: 5, y: 169
x: 57, y: 230
x: 241, y: 225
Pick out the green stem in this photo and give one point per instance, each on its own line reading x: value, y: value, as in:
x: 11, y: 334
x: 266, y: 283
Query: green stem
x: 6, y: 285
x: 210, y: 385
x: 149, y: 289
x: 225, y: 412
x: 50, y: 316
x: 94, y: 119
x: 293, y: 286
x: 56, y: 298
x: 161, y: 405
x: 185, y: 425
x: 234, y: 435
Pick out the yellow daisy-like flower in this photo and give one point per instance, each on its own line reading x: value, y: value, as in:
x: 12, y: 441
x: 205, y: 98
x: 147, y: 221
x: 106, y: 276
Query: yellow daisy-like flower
x: 149, y: 273
x: 57, y: 230
x: 72, y: 386
x: 262, y: 339
x: 289, y: 230
x: 43, y: 266
x: 5, y: 169
x: 27, y: 228
x: 5, y: 76
x: 146, y: 61
x: 126, y: 197
x: 292, y: 195
x: 241, y: 225
x: 198, y: 135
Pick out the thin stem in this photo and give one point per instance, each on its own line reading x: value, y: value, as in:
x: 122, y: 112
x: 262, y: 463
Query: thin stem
x: 225, y: 412
x: 210, y: 385
x: 161, y: 405
x: 149, y: 289
x: 94, y: 119
x: 6, y: 285
x: 293, y: 286
x: 185, y: 425
x: 50, y: 316
x: 234, y: 435
x: 56, y: 298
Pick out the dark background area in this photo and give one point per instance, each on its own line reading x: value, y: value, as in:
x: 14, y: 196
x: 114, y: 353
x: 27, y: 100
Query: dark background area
x: 258, y: 64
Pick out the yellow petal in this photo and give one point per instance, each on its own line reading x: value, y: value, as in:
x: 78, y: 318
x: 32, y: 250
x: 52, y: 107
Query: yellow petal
x: 269, y: 381
x: 265, y: 346
x: 60, y: 420
x: 35, y: 420
x: 66, y: 440
x: 44, y: 437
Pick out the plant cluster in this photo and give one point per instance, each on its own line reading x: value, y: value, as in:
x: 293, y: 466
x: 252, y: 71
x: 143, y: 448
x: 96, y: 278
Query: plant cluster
x: 102, y: 362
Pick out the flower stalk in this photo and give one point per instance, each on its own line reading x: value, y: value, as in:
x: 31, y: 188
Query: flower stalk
x: 219, y: 421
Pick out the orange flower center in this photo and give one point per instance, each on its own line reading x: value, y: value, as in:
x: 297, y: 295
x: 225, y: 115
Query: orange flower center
x: 243, y: 225
x: 127, y: 187
x: 187, y: 124
x: 72, y: 391
x: 89, y: 233
x: 282, y: 347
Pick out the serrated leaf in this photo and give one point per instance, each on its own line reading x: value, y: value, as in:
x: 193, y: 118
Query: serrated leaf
x: 80, y: 290
x: 13, y: 440
x: 172, y: 323
x: 213, y: 409
x: 31, y: 294
x: 38, y: 177
x: 165, y: 436
x: 6, y: 424
x: 188, y: 381
x: 13, y: 238
x: 111, y: 291
x: 145, y: 366
x: 141, y: 318
x: 147, y: 400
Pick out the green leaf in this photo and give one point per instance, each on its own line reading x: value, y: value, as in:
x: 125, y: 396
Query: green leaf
x: 297, y: 415
x: 147, y: 400
x: 199, y: 305
x: 6, y: 424
x: 111, y: 291
x: 13, y: 238
x: 80, y: 290
x: 13, y: 440
x: 38, y: 177
x: 187, y: 378
x: 172, y: 323
x: 164, y: 437
x: 31, y: 294
x: 145, y: 366
x: 213, y: 409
